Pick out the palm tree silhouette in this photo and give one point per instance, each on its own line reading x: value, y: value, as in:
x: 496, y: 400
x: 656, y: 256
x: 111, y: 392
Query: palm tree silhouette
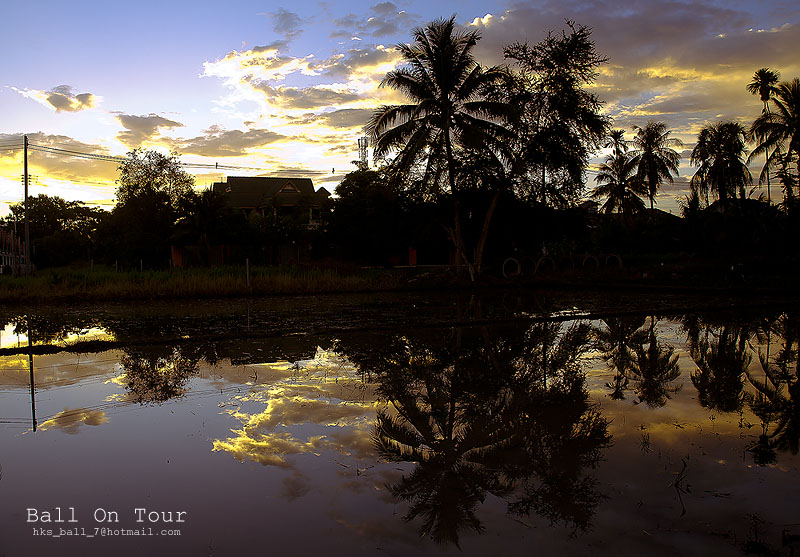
x: 777, y: 396
x: 509, y: 417
x: 448, y: 108
x: 763, y: 85
x: 721, y: 366
x: 719, y: 152
x: 656, y: 160
x: 616, y: 141
x: 779, y: 133
x: 616, y: 343
x: 654, y: 368
x: 619, y: 183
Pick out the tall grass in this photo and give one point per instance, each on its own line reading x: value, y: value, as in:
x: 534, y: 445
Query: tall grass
x: 70, y: 284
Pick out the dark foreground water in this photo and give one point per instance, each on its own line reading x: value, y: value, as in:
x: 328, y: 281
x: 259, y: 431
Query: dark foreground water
x: 514, y: 424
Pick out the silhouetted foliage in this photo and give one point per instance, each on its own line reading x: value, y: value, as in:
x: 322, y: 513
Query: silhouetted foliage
x: 558, y: 122
x: 369, y: 223
x: 508, y: 416
x: 722, y: 361
x: 61, y: 231
x: 448, y: 112
x: 656, y: 160
x: 719, y: 153
x: 777, y: 132
x: 620, y: 185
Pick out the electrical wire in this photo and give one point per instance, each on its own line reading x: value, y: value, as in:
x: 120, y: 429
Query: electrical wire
x: 215, y: 166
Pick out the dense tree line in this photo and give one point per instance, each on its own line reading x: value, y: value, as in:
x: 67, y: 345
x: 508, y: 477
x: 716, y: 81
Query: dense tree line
x: 479, y: 163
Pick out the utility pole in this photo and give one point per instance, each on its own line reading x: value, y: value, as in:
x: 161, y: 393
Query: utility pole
x: 27, y: 226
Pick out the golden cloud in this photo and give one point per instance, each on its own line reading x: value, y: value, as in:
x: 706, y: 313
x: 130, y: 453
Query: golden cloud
x: 70, y: 421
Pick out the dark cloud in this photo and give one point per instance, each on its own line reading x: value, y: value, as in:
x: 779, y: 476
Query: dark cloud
x: 271, y: 47
x: 218, y: 142
x: 382, y: 20
x: 139, y: 129
x: 63, y: 98
x: 305, y: 97
x: 286, y: 23
x: 345, y: 118
x: 355, y: 59
x: 684, y: 63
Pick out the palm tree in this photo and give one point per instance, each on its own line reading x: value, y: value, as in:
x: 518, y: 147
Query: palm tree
x: 616, y: 141
x: 719, y: 152
x: 763, y: 85
x: 721, y: 367
x: 448, y: 108
x: 655, y: 369
x: 779, y: 132
x: 656, y: 160
x: 620, y: 185
x: 616, y: 344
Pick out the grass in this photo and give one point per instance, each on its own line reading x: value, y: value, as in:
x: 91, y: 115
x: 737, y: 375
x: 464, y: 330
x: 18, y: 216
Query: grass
x: 81, y: 284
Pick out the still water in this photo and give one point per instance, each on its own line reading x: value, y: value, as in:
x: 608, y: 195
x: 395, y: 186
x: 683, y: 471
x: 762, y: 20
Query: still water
x: 364, y: 425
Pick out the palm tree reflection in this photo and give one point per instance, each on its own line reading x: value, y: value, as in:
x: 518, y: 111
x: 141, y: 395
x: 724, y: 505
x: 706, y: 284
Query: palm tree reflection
x: 777, y: 395
x: 722, y: 360
x: 508, y: 416
x: 655, y: 368
x: 616, y: 342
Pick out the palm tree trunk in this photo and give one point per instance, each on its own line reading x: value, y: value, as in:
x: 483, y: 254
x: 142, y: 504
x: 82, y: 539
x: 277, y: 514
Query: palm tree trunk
x: 459, y: 236
x: 766, y: 158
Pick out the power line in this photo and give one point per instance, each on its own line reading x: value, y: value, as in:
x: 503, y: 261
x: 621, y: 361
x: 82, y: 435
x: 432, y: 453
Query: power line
x: 197, y: 165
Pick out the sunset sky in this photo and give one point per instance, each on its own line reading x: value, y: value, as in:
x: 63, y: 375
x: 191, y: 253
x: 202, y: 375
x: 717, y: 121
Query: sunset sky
x: 288, y: 86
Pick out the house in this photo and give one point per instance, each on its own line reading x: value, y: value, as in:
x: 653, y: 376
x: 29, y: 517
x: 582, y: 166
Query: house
x: 291, y: 197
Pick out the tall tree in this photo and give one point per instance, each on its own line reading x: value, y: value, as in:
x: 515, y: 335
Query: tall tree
x: 616, y: 141
x: 151, y: 172
x: 778, y: 132
x: 447, y: 111
x: 558, y: 123
x: 152, y: 188
x: 764, y: 85
x: 656, y: 160
x: 719, y: 153
x: 620, y: 185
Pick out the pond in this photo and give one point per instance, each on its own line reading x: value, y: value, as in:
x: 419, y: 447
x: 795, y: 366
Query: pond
x: 434, y: 424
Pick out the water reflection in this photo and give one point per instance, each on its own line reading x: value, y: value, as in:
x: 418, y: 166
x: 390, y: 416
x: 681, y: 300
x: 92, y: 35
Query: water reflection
x: 454, y: 423
x: 631, y: 348
x: 722, y: 359
x: 479, y: 414
x: 155, y: 376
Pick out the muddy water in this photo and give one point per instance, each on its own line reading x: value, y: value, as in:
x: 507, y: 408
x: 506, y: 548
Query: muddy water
x: 367, y: 425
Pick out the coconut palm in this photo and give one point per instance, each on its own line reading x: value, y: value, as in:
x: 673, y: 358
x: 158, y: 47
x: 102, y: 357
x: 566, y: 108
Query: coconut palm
x: 616, y: 344
x: 655, y: 369
x: 719, y: 152
x: 447, y: 111
x: 778, y: 131
x: 616, y: 141
x: 721, y: 365
x: 656, y: 160
x: 620, y: 185
x: 763, y: 85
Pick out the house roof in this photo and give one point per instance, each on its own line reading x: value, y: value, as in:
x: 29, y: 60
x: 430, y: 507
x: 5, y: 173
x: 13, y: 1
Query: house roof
x: 251, y: 192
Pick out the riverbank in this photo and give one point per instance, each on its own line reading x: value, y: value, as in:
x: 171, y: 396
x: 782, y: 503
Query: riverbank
x: 69, y: 285
x: 65, y: 285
